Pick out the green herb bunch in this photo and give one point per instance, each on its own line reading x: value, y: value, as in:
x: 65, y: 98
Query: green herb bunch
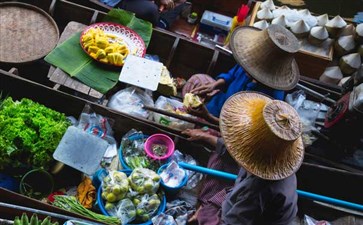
x: 29, y: 133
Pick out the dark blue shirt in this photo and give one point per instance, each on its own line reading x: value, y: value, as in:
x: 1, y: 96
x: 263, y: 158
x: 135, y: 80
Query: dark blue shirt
x: 237, y: 80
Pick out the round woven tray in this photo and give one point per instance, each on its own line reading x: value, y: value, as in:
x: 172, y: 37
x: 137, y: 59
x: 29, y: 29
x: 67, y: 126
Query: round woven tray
x: 27, y: 33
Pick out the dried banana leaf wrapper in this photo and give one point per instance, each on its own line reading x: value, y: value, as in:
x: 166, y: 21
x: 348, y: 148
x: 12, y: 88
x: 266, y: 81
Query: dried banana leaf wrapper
x: 70, y: 57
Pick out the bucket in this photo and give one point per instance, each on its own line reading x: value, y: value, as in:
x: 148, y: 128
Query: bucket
x: 161, y: 139
x: 120, y: 155
x: 101, y: 203
x: 172, y: 190
x: 37, y: 183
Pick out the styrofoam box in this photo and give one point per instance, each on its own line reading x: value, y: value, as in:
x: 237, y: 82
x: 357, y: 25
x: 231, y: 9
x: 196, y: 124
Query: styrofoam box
x: 216, y: 20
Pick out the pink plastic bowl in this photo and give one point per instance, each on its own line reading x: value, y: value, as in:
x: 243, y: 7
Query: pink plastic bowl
x: 159, y: 139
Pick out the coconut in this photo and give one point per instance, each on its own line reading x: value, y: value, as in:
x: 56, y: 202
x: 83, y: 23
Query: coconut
x: 344, y: 45
x: 265, y: 14
x: 300, y: 29
x: 359, y: 33
x: 360, y: 50
x: 269, y: 4
x: 279, y: 20
x: 318, y: 35
x: 350, y: 63
x: 348, y: 30
x: 263, y: 24
x: 335, y: 26
x: 322, y: 19
x: 331, y: 75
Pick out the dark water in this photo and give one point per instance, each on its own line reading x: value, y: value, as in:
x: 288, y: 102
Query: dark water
x: 344, y: 8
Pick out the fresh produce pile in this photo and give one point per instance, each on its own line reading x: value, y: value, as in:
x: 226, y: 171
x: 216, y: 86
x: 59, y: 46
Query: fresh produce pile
x: 105, y: 47
x: 134, y: 154
x: 134, y: 198
x: 29, y: 133
x: 24, y: 220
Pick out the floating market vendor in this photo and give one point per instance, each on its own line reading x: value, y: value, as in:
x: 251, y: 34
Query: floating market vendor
x: 263, y: 137
x: 265, y: 64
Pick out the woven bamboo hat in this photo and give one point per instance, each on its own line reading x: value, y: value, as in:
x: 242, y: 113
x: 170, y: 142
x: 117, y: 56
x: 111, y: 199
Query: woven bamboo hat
x: 267, y: 55
x: 262, y: 135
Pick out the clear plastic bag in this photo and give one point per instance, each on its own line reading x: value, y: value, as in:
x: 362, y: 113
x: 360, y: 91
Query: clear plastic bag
x: 144, y: 181
x: 172, y: 175
x: 146, y: 207
x: 100, y: 126
x: 133, y: 153
x: 311, y: 221
x: 115, y: 187
x: 308, y: 112
x: 176, y: 213
x: 124, y: 210
x: 163, y: 219
x: 131, y: 101
x: 175, y: 107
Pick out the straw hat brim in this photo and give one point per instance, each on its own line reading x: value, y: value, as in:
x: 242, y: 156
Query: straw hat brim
x: 243, y: 40
x: 234, y: 126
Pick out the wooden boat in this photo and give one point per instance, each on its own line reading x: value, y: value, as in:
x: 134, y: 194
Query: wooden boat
x: 312, y: 179
x: 32, y: 83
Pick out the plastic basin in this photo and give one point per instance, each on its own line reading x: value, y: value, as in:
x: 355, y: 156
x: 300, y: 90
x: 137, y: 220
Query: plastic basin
x: 159, y: 139
x: 121, y: 156
x: 172, y: 190
x: 101, y: 203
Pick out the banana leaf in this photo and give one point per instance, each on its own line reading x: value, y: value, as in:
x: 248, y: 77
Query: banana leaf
x: 70, y: 57
x: 126, y: 18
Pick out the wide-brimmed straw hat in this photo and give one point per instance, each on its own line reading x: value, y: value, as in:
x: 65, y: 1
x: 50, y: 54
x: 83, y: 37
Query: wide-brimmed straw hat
x: 262, y: 135
x: 267, y: 55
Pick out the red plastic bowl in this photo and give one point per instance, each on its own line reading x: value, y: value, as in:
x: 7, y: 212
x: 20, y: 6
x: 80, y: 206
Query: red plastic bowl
x: 159, y: 139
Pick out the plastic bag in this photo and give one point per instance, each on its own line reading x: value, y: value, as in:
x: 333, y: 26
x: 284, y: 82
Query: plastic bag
x: 172, y: 175
x: 131, y: 101
x: 193, y: 177
x: 177, y: 212
x: 114, y: 188
x: 308, y: 112
x: 175, y: 107
x: 311, y: 221
x: 99, y: 126
x: 124, y: 210
x: 144, y: 181
x: 146, y: 206
x: 133, y: 153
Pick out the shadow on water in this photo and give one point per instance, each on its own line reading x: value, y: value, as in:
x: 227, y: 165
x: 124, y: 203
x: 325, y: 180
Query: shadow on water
x: 344, y: 8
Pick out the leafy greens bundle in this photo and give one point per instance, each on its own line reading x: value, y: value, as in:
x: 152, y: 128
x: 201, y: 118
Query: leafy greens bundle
x: 29, y: 133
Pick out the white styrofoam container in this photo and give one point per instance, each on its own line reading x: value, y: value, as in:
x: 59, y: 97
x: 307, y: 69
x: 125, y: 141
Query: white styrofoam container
x: 216, y: 20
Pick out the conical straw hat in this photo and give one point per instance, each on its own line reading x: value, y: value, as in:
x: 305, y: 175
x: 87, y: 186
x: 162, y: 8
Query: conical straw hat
x: 262, y: 135
x: 267, y: 55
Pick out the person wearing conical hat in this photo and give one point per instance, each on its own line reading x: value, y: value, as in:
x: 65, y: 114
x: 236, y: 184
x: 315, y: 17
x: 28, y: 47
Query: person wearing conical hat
x: 263, y: 136
x: 268, y: 57
x: 266, y: 64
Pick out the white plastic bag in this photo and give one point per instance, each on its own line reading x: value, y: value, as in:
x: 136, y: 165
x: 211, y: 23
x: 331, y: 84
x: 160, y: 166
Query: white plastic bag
x: 131, y: 101
x: 311, y: 221
x: 175, y: 107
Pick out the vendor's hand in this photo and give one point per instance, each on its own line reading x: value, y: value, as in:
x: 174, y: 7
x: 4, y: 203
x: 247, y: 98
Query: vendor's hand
x: 196, y: 134
x: 200, y: 135
x: 200, y: 111
x: 166, y: 4
x: 205, y: 90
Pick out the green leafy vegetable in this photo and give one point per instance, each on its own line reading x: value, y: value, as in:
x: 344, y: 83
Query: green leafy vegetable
x: 29, y: 133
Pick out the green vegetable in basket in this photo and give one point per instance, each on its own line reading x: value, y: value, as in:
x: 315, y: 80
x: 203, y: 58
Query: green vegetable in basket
x: 29, y: 133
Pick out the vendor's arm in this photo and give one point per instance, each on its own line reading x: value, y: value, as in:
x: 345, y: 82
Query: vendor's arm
x: 200, y: 135
x: 203, y: 112
x: 229, y: 76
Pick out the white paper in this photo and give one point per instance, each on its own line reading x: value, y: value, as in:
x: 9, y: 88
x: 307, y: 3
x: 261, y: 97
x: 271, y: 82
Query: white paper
x: 141, y: 72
